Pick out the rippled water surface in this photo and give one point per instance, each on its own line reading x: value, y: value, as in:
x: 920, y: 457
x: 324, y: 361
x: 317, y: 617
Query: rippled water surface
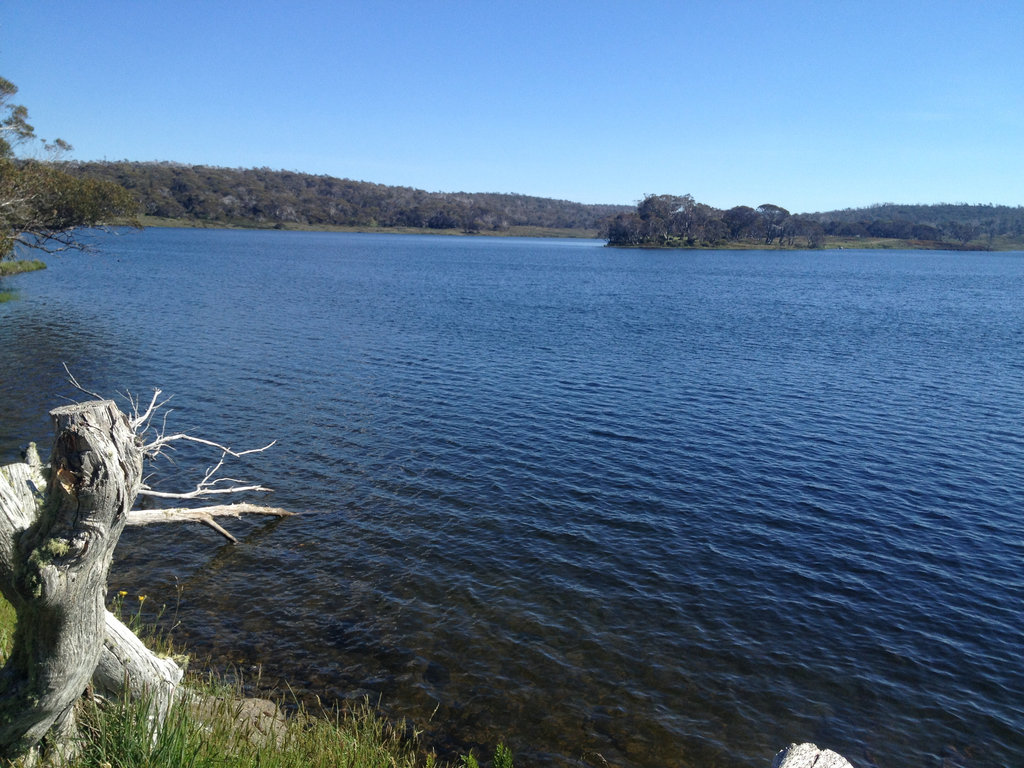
x: 649, y: 508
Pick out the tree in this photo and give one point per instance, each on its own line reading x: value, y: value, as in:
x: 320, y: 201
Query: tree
x: 772, y: 219
x: 41, y: 206
x: 622, y: 229
x: 740, y: 220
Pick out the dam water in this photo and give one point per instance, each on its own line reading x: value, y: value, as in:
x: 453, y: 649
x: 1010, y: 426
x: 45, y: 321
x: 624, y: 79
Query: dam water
x: 634, y: 508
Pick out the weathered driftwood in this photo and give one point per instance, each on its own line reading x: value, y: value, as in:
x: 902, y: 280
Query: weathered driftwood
x: 54, y: 556
x: 203, y: 515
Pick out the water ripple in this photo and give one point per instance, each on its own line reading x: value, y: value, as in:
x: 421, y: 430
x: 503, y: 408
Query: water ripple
x: 661, y: 509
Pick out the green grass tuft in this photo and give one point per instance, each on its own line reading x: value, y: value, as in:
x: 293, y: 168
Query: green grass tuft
x: 17, y: 266
x: 119, y: 736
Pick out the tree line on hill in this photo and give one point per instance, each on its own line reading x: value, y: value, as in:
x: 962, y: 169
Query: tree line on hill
x: 263, y: 197
x: 680, y: 221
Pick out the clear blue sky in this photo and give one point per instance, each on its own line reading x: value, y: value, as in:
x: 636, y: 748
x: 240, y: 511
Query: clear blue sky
x: 809, y: 104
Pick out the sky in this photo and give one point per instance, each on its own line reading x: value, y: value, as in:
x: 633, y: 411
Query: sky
x: 812, y: 105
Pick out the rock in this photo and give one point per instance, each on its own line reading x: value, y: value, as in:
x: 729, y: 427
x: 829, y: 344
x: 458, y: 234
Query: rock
x: 258, y: 721
x: 809, y: 756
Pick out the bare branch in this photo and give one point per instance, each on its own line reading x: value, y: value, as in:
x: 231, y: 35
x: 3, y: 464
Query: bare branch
x: 154, y: 447
x: 79, y: 387
x: 181, y: 514
x: 204, y: 515
x: 199, y: 492
x: 140, y: 422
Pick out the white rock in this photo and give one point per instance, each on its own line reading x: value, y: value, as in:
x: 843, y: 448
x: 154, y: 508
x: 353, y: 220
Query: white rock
x: 809, y: 756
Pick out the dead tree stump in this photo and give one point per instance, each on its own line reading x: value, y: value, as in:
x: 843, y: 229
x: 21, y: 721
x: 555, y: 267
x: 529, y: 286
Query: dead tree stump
x: 55, y: 552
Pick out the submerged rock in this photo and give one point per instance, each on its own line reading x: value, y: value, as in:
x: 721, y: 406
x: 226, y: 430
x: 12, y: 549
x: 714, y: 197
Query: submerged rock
x: 808, y: 755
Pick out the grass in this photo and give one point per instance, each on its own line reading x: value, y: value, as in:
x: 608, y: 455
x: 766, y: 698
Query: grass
x: 17, y: 266
x: 205, y: 731
x: 118, y: 734
x: 8, y: 619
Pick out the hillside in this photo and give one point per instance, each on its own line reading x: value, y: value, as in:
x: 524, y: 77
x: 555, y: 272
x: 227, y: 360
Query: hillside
x: 680, y: 221
x: 957, y: 223
x: 263, y: 197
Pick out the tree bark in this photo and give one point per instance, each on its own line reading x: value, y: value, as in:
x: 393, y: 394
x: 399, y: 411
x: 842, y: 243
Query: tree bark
x: 54, y: 556
x: 59, y: 526
x: 127, y: 666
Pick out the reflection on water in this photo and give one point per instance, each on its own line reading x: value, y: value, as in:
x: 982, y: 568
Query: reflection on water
x: 644, y: 508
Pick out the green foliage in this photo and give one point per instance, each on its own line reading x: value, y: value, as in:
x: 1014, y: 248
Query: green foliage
x: 502, y: 758
x: 262, y: 197
x: 41, y: 205
x: 8, y: 621
x: 675, y: 222
x: 209, y: 736
x: 19, y: 266
x: 14, y: 127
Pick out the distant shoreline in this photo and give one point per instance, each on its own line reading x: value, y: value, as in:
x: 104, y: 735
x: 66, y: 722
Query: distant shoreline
x: 831, y: 243
x: 511, y: 231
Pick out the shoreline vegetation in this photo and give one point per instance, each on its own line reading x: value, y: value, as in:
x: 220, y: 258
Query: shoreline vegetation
x: 181, y: 195
x: 220, y: 725
x: 17, y: 266
x: 829, y: 242
x: 510, y: 231
x: 674, y: 221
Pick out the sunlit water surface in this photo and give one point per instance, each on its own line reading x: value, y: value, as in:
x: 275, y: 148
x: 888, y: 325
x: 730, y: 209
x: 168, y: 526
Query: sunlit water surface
x: 649, y: 508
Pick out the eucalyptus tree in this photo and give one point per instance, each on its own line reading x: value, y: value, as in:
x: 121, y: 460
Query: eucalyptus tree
x: 772, y: 219
x: 740, y: 221
x: 41, y: 206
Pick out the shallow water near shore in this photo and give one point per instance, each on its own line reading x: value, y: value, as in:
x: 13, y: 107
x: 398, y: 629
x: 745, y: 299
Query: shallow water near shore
x: 642, y: 508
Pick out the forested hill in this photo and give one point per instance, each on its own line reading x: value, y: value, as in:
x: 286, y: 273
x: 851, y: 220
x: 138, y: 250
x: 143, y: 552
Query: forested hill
x: 263, y: 197
x: 958, y: 222
x: 680, y: 221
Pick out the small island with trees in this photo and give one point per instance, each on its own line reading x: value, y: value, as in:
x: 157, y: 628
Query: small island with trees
x: 671, y: 221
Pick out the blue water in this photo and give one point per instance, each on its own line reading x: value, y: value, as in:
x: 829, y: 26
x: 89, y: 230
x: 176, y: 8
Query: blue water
x: 649, y: 508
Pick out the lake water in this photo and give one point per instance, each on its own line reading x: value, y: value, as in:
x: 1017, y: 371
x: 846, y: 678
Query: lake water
x: 634, y: 508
